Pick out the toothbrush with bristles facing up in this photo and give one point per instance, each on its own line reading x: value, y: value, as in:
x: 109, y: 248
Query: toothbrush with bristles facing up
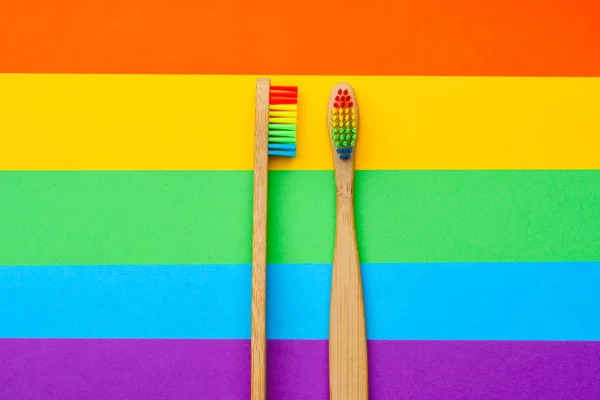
x: 274, y: 135
x: 348, y: 367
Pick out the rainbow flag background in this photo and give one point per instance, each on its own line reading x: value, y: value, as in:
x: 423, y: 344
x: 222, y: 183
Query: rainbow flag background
x: 126, y: 149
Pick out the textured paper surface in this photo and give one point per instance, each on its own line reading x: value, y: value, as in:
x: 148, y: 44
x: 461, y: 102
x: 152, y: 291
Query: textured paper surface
x: 165, y: 122
x: 216, y: 369
x: 205, y: 217
x: 410, y: 37
x: 460, y: 301
x: 497, y: 101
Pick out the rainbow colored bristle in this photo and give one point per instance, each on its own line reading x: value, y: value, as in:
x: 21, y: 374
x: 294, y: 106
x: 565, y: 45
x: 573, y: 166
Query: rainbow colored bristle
x: 283, y: 113
x: 343, y: 124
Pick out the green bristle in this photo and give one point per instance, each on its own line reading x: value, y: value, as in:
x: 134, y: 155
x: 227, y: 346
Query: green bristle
x: 282, y: 139
x: 283, y: 127
x: 282, y: 133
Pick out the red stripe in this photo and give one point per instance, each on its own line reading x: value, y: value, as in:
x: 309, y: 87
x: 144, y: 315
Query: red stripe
x: 383, y: 37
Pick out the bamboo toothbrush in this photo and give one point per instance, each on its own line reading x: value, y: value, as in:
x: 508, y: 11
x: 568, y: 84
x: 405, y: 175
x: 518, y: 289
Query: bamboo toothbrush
x: 348, y: 370
x: 274, y: 134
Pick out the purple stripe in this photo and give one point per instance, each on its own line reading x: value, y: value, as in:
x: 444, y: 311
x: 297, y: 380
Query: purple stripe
x: 99, y: 369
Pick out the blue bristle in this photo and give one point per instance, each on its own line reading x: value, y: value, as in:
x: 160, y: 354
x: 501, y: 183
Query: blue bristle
x: 344, y: 152
x: 282, y: 149
x: 282, y: 153
x: 282, y: 146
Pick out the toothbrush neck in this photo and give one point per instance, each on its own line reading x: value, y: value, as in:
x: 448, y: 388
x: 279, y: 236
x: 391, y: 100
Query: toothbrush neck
x: 345, y: 191
x: 345, y: 229
x: 344, y: 182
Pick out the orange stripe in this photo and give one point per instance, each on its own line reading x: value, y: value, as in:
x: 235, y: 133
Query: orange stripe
x: 304, y: 37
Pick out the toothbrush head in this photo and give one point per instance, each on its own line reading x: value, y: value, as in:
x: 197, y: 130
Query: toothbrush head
x: 343, y: 121
x: 283, y: 116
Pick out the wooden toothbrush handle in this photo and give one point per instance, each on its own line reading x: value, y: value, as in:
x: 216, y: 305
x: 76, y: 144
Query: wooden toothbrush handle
x: 258, y: 338
x: 348, y: 368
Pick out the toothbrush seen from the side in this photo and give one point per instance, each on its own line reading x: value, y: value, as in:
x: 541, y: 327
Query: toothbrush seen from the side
x: 348, y: 367
x: 274, y: 135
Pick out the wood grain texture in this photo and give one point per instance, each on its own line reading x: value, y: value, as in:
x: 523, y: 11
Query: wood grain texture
x: 259, y: 242
x: 348, y: 367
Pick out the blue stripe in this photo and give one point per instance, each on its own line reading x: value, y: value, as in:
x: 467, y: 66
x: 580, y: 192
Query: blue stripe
x: 461, y: 301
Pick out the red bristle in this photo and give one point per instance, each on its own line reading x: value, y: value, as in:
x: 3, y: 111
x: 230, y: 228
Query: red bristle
x: 284, y: 94
x: 343, y: 105
x: 337, y: 98
x: 285, y: 88
x: 278, y: 101
x: 339, y: 91
x: 348, y: 98
x: 336, y: 105
x: 350, y: 104
x: 278, y: 96
x: 346, y: 91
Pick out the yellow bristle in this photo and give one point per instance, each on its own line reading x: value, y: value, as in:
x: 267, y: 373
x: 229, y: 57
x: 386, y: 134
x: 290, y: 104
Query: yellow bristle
x: 282, y: 120
x: 283, y: 107
x: 288, y: 114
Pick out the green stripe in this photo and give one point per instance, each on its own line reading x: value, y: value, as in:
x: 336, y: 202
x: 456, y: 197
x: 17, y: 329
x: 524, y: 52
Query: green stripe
x: 71, y: 218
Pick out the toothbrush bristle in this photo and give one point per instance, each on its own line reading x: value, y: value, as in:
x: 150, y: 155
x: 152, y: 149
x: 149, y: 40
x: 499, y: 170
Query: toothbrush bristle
x: 343, y: 124
x: 283, y: 114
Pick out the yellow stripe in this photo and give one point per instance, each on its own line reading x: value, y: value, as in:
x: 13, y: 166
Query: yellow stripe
x: 194, y: 122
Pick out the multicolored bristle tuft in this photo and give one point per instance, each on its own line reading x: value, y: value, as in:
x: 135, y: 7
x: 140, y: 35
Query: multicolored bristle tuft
x: 283, y: 116
x: 343, y: 124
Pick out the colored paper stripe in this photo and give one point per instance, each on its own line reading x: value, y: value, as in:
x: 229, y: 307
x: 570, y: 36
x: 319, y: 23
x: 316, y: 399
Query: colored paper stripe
x: 182, y: 369
x: 204, y: 217
x: 129, y: 122
x: 457, y: 301
x: 463, y: 37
